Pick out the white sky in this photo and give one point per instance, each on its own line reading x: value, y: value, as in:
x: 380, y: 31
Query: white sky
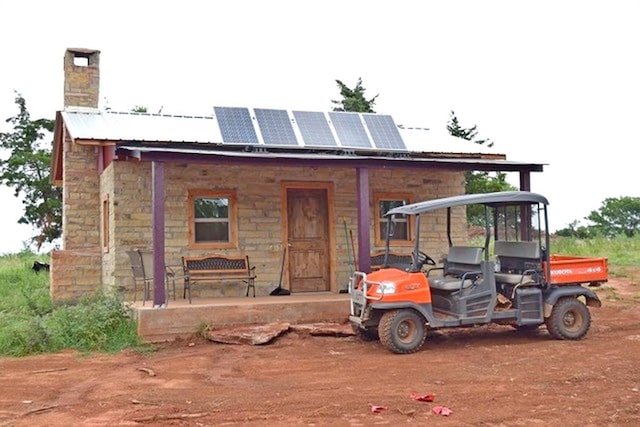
x: 555, y: 82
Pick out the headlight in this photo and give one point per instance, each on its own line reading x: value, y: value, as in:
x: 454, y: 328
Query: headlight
x: 386, y: 288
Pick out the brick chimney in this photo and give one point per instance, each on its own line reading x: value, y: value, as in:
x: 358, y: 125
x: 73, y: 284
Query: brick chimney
x: 81, y: 78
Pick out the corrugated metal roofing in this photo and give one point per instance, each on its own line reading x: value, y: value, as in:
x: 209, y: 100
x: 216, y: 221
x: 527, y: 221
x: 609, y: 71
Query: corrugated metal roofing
x: 143, y: 127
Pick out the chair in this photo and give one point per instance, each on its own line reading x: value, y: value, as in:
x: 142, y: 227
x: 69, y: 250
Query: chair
x: 142, y: 269
x: 146, y: 257
x: 138, y: 273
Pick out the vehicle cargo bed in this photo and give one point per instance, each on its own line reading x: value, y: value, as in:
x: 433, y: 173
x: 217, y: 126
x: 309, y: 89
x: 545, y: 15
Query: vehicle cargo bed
x: 567, y: 269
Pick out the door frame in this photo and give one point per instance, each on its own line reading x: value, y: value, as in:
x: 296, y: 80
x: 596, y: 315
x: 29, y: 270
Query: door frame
x: 331, y: 241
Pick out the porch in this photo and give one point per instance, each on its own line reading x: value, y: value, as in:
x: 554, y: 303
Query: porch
x: 181, y: 319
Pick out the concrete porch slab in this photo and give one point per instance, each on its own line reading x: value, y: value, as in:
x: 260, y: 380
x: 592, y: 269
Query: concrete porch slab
x: 181, y: 319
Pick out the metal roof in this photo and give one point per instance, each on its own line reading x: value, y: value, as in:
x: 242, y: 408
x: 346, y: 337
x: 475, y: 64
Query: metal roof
x: 492, y: 199
x: 96, y: 125
x: 110, y: 126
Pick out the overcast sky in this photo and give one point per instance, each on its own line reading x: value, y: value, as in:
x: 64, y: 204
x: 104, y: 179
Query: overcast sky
x: 554, y: 82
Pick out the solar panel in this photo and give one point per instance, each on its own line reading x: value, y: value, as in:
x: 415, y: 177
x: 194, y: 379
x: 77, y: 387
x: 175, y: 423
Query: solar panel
x: 350, y: 130
x: 311, y: 129
x: 275, y: 127
x: 236, y: 125
x: 314, y: 129
x: 384, y: 132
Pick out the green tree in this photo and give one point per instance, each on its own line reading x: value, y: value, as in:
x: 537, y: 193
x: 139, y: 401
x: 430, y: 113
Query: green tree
x: 27, y: 171
x: 617, y: 216
x: 353, y: 99
x: 477, y: 182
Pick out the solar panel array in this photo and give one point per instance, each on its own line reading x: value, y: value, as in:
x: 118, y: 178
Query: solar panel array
x: 309, y: 129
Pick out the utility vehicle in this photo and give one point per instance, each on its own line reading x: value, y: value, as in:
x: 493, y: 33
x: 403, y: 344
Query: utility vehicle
x: 510, y: 277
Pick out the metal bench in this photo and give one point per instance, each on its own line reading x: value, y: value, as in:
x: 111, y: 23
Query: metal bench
x: 217, y: 268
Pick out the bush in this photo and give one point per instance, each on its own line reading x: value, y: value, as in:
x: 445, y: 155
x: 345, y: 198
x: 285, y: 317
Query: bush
x: 30, y: 323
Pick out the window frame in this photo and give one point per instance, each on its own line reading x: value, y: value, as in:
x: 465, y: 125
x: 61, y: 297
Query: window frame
x: 232, y: 218
x: 378, y: 222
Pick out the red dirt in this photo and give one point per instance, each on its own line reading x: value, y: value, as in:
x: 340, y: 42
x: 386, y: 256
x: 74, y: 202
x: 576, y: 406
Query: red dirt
x: 489, y: 376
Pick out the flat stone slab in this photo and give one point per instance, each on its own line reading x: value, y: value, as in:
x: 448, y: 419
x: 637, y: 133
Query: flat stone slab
x: 253, y: 335
x: 264, y: 334
x: 325, y: 329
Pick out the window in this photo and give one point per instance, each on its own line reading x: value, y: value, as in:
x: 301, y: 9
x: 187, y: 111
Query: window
x: 212, y: 219
x: 105, y: 223
x: 402, y: 232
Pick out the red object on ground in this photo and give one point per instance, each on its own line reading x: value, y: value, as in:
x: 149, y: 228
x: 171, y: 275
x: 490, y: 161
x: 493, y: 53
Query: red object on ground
x: 442, y: 410
x: 422, y: 397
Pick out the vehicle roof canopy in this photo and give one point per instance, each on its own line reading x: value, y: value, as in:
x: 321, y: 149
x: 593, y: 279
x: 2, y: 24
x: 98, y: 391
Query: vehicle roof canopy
x: 501, y: 198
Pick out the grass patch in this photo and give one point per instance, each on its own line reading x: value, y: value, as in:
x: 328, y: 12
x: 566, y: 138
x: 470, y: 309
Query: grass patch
x: 30, y: 323
x: 620, y: 251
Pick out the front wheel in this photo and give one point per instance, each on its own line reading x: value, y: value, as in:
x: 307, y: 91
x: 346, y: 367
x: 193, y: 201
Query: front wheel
x: 402, y: 331
x: 570, y: 320
x: 366, y: 335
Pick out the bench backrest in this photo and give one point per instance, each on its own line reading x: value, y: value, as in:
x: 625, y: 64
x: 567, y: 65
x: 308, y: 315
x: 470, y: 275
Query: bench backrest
x: 216, y: 265
x: 462, y: 259
x: 517, y: 256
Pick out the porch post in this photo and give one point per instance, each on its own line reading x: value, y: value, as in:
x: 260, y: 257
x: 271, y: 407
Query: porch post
x: 525, y: 212
x: 364, y: 219
x: 157, y: 201
x: 525, y: 181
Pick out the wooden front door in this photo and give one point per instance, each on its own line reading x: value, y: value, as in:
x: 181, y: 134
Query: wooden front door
x: 308, y: 239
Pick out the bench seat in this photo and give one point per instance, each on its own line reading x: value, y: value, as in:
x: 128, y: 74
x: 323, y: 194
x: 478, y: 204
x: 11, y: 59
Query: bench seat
x: 461, y: 268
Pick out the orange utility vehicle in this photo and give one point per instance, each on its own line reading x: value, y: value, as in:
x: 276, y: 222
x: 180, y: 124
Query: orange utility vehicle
x: 510, y: 278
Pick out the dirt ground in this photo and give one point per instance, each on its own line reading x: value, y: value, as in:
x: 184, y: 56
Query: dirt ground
x: 486, y: 376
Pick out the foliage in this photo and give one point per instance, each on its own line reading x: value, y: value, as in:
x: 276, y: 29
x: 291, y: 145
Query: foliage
x: 353, y: 99
x: 617, y: 216
x: 470, y: 134
x: 477, y: 182
x: 578, y: 231
x: 27, y: 171
x: 30, y: 323
x: 97, y: 322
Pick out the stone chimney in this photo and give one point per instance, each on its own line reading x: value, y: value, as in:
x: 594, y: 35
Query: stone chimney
x: 81, y: 78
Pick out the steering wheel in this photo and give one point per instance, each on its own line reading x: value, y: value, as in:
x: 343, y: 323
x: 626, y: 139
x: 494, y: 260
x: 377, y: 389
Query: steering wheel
x: 425, y: 259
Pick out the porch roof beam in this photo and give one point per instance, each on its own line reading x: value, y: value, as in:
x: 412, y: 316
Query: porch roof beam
x: 496, y: 165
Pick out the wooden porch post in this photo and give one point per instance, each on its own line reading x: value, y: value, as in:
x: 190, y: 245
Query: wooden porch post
x: 364, y: 219
x: 157, y: 200
x: 525, y: 219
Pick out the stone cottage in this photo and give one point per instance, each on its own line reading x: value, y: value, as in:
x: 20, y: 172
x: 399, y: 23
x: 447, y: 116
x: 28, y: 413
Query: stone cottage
x: 314, y: 183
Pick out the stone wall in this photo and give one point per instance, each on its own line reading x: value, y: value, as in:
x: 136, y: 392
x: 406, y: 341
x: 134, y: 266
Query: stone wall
x: 75, y: 273
x: 71, y: 273
x: 259, y: 194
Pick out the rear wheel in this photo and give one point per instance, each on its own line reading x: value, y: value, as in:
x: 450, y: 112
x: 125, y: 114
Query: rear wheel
x: 402, y: 331
x: 570, y: 320
x: 370, y: 334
